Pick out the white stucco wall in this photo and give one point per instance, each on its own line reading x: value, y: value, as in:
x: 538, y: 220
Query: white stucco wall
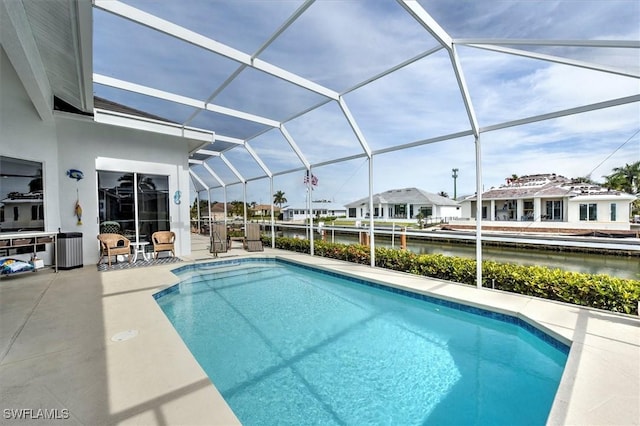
x: 448, y: 211
x: 571, y: 213
x: 89, y: 146
x: 604, y: 210
x: 24, y: 135
x: 75, y: 142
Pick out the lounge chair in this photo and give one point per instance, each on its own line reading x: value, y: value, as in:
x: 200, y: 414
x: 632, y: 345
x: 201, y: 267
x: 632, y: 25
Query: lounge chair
x: 219, y: 239
x: 254, y: 240
x: 113, y: 245
x: 163, y: 241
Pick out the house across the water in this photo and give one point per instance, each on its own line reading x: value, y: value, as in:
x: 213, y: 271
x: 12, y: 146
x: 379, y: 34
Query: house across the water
x: 405, y: 204
x: 552, y: 201
x: 318, y: 208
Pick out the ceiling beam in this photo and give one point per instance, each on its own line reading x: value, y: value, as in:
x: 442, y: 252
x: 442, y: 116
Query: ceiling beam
x: 257, y: 159
x: 541, y: 42
x: 464, y: 91
x: 354, y: 127
x: 557, y: 59
x: 150, y: 125
x: 208, y: 152
x: 20, y: 46
x: 179, y: 32
x: 563, y: 113
x: 294, y: 146
x: 419, y: 14
x: 212, y: 173
x: 232, y: 168
x: 229, y: 139
x: 184, y: 100
x: 197, y: 178
x: 82, y: 11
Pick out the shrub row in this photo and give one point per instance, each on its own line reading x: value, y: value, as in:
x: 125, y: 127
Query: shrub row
x: 596, y: 291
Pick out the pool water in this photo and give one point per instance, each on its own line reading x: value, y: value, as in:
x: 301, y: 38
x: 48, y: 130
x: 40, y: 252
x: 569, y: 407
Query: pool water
x: 290, y: 345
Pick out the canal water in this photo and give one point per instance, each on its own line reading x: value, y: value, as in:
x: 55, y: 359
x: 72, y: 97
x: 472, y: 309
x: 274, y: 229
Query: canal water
x: 616, y: 266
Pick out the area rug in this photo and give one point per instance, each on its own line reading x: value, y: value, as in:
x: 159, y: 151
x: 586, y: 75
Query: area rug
x: 140, y: 263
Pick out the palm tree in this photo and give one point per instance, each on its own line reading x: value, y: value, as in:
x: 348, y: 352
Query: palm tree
x: 279, y: 198
x: 625, y: 179
x: 585, y: 179
x: 443, y: 194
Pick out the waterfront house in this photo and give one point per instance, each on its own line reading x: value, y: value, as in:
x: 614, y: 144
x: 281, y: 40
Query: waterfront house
x: 22, y: 211
x: 404, y: 205
x: 318, y: 208
x: 552, y: 201
x: 264, y: 211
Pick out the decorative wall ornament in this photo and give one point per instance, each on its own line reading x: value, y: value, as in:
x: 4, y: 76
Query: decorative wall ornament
x: 75, y: 174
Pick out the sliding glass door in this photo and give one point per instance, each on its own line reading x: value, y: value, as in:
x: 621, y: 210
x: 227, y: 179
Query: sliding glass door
x: 133, y: 204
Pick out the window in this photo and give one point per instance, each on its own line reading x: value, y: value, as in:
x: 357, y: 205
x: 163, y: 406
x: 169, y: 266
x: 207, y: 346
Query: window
x: 589, y: 212
x: 553, y: 210
x: 528, y: 210
x: 426, y: 211
x: 139, y: 203
x: 613, y: 212
x: 21, y: 194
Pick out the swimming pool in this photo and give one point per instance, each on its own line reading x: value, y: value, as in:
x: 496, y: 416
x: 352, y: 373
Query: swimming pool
x: 293, y: 345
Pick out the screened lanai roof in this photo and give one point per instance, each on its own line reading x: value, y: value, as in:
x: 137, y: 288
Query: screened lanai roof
x: 281, y: 86
x: 267, y: 89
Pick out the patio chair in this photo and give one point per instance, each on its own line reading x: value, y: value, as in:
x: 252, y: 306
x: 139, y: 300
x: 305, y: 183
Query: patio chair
x: 113, y: 245
x: 163, y: 241
x: 254, y: 240
x: 110, y: 227
x: 219, y: 239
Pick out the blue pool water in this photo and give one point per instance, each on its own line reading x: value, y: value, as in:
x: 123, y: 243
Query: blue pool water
x: 286, y: 344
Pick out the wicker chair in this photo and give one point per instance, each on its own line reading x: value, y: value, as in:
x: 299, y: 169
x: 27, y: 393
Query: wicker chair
x: 163, y: 241
x: 113, y: 245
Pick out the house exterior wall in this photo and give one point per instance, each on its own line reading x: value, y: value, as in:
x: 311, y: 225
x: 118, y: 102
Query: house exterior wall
x: 303, y: 214
x: 603, y: 211
x: 385, y: 211
x: 570, y: 213
x: 75, y: 142
x: 90, y: 146
x: 24, y: 135
x: 448, y: 211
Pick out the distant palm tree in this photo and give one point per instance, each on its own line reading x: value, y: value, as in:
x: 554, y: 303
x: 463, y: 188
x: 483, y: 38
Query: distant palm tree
x: 585, y: 179
x: 443, y: 194
x: 625, y: 179
x: 279, y: 198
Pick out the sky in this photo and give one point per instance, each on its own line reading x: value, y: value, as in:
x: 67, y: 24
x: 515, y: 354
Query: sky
x: 340, y: 44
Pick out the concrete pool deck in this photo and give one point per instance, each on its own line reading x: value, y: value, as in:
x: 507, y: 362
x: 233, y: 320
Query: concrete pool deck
x: 57, y: 352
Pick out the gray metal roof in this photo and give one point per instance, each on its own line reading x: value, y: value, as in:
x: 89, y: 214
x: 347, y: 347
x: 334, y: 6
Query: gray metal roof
x: 405, y: 196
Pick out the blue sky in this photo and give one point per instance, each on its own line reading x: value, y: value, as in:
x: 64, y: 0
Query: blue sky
x: 339, y: 44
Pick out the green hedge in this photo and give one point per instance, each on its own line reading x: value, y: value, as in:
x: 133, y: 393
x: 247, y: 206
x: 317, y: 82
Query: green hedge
x: 597, y: 291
